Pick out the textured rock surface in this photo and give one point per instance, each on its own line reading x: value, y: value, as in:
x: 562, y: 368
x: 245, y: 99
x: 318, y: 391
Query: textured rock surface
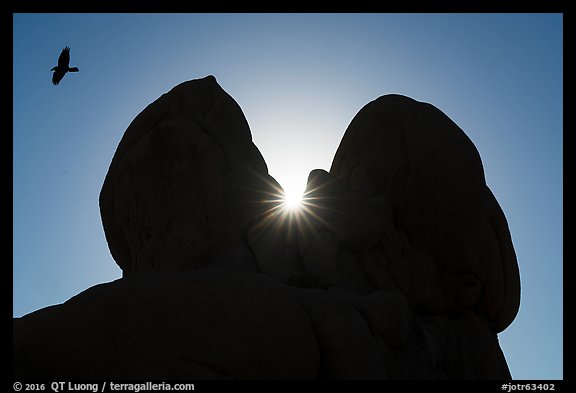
x: 418, y: 168
x: 400, y: 266
x: 241, y: 325
x: 184, y: 184
x: 171, y: 325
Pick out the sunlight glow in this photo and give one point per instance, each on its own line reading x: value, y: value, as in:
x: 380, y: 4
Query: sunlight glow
x: 292, y: 200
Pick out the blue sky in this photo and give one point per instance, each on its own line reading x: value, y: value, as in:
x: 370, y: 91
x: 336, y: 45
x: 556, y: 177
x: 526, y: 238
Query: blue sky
x: 300, y: 79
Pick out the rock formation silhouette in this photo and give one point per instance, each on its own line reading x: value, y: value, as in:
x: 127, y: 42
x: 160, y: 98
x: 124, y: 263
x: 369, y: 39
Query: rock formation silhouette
x: 400, y: 267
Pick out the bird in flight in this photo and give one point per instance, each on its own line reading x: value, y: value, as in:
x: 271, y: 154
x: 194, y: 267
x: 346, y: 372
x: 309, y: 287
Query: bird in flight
x: 63, y: 66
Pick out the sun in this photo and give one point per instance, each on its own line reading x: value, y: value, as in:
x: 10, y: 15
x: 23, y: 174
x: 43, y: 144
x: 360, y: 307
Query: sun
x: 292, y: 200
x: 291, y: 192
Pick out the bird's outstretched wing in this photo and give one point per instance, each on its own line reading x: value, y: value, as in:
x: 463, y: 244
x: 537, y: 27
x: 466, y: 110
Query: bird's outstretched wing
x: 64, y: 59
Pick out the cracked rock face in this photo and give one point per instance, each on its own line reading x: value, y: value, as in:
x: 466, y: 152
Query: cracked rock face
x: 400, y: 266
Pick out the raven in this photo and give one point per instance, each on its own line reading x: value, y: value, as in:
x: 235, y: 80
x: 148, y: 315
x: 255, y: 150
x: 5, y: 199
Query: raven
x: 62, y: 68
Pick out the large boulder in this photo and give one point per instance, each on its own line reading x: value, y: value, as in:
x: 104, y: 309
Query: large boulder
x: 415, y: 166
x: 399, y: 266
x: 184, y: 184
